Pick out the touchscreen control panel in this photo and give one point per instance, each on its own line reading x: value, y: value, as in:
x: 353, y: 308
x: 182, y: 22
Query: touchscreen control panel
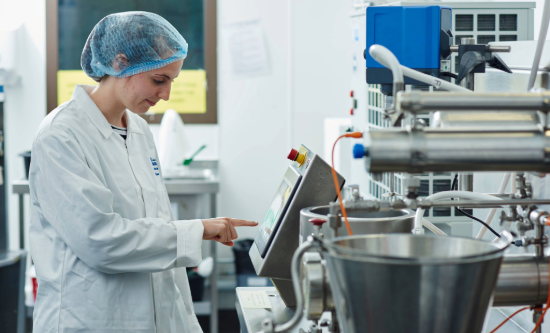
x: 306, y: 182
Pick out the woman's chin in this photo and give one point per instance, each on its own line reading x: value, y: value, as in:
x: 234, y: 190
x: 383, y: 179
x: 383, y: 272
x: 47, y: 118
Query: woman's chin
x: 141, y: 110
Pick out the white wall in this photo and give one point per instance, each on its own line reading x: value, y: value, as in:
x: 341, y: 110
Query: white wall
x: 25, y: 104
x: 252, y: 114
x: 261, y: 118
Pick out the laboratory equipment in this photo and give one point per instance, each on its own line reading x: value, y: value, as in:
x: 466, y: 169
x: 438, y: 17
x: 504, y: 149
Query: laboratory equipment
x: 306, y: 182
x: 396, y: 282
x: 420, y: 36
x: 393, y: 282
x: 361, y: 222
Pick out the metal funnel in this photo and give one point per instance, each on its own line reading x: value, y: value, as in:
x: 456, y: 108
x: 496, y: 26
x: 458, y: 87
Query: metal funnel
x: 410, y: 283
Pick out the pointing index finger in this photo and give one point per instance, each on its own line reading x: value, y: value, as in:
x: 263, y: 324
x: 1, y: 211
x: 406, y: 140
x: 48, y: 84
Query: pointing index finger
x: 243, y: 223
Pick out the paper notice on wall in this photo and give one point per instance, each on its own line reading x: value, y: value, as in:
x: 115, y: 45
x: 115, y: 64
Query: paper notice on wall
x: 247, y: 48
x: 254, y: 299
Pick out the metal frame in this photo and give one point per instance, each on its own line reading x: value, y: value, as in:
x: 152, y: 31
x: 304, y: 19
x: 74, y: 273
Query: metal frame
x: 210, y: 44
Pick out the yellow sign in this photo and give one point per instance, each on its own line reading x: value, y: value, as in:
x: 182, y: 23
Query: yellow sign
x: 67, y: 80
x: 188, y: 93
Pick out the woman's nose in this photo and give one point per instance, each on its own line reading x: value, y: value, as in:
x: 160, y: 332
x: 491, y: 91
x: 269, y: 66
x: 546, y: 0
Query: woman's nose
x: 164, y: 92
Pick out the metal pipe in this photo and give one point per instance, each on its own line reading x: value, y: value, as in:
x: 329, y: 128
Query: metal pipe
x: 483, y: 203
x: 522, y: 281
x: 435, y: 150
x: 295, y: 269
x: 540, y: 44
x: 465, y: 181
x: 379, y: 54
x: 490, y: 48
x: 388, y: 59
x: 416, y: 102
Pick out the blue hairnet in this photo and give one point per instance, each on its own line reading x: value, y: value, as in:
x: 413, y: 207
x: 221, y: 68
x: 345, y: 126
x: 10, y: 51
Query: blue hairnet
x: 129, y: 43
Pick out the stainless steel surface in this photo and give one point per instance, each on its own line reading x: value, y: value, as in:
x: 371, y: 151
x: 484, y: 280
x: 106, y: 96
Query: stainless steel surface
x: 20, y: 186
x: 469, y: 80
x: 466, y: 181
x: 486, y: 119
x: 191, y: 186
x: 484, y: 204
x: 251, y: 319
x: 361, y: 222
x: 522, y: 281
x: 418, y: 102
x: 454, y: 149
x: 412, y: 283
x: 492, y: 48
x: 316, y: 188
x: 317, y: 295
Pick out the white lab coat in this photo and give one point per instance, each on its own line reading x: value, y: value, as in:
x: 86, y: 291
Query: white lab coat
x: 102, y: 236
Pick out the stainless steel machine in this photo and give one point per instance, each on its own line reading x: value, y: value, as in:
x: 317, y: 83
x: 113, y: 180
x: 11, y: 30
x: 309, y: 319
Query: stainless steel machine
x: 389, y: 276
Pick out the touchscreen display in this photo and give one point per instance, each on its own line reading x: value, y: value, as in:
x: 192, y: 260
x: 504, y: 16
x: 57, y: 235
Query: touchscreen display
x: 277, y: 210
x: 277, y: 205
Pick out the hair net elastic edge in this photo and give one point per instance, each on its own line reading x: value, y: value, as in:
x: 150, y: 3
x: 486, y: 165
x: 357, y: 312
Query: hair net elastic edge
x: 140, y: 69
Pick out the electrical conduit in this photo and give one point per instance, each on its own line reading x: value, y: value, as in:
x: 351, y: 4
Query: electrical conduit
x: 419, y: 220
x: 492, y: 212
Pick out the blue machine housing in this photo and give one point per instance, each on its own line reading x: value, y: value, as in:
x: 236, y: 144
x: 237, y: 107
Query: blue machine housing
x: 419, y: 36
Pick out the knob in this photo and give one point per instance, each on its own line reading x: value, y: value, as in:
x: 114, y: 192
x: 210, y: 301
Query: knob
x: 317, y: 221
x: 293, y: 154
x: 358, y: 151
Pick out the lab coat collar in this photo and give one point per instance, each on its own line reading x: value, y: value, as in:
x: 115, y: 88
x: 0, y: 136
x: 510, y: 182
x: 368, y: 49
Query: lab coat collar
x: 81, y: 95
x: 133, y: 127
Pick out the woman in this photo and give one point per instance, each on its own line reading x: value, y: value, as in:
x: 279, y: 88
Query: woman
x: 102, y: 235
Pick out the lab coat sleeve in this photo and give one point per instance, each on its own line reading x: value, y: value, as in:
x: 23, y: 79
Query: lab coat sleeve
x: 80, y: 208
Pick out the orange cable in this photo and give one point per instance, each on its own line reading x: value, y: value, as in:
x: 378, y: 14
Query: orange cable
x: 356, y: 135
x: 539, y: 322
x: 513, y: 314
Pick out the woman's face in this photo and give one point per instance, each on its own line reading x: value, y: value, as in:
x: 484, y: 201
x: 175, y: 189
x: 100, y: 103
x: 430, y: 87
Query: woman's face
x: 139, y: 92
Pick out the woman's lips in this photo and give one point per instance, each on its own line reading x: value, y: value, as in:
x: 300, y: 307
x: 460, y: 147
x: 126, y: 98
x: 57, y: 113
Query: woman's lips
x: 150, y: 103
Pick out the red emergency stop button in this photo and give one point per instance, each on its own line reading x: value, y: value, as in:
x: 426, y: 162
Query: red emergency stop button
x: 317, y: 221
x: 293, y: 154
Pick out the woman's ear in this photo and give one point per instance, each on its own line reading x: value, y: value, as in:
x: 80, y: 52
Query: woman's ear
x: 120, y: 62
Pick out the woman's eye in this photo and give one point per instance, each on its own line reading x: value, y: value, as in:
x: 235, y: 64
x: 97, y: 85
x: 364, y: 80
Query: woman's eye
x: 158, y: 82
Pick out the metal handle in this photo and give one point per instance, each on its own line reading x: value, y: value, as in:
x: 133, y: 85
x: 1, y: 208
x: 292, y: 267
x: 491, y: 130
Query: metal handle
x: 490, y: 48
x: 295, y: 270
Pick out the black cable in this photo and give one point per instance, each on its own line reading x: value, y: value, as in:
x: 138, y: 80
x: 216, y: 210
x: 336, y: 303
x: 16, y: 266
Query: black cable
x: 454, y: 187
x: 454, y: 76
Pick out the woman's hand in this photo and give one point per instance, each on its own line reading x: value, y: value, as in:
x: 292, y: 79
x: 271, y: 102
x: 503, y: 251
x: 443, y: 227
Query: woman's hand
x: 222, y: 229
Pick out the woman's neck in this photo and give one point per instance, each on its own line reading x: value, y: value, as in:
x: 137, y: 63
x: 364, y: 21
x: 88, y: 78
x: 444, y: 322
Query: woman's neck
x: 106, y: 102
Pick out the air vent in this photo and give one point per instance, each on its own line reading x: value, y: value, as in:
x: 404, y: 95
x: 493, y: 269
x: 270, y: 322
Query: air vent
x: 485, y: 39
x: 508, y: 22
x: 464, y: 22
x: 486, y: 23
x: 508, y: 38
x: 442, y: 212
